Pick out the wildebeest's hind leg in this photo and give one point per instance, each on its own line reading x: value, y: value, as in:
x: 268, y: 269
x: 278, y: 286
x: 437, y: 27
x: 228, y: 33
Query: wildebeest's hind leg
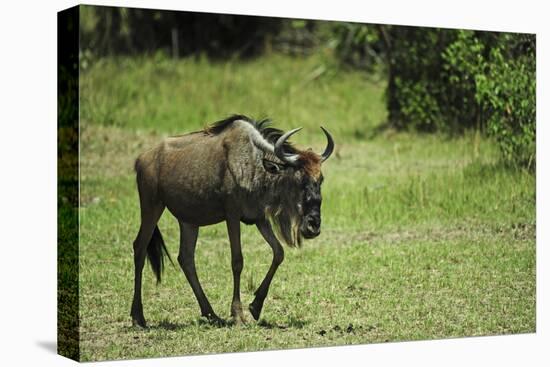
x: 234, y: 232
x: 151, y: 210
x: 278, y: 256
x: 186, y: 258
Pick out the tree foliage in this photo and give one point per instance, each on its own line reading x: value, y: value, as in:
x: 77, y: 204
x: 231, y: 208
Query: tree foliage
x: 453, y: 80
x: 116, y: 31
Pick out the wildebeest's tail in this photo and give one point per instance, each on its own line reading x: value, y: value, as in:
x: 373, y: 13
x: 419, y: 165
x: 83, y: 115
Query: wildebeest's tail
x: 155, y: 253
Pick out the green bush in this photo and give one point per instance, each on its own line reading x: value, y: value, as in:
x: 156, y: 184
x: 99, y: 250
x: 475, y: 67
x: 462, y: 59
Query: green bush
x: 509, y: 91
x: 453, y: 80
x: 499, y: 73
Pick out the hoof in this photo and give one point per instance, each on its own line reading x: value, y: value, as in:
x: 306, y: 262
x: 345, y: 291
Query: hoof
x: 213, y: 319
x: 136, y: 313
x: 255, y: 310
x: 139, y: 321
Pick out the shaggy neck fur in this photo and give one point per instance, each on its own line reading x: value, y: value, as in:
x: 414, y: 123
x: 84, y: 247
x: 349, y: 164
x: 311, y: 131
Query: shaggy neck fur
x: 280, y: 193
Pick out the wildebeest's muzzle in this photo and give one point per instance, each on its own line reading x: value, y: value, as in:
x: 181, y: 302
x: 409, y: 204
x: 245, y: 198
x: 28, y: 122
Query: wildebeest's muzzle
x: 311, y: 223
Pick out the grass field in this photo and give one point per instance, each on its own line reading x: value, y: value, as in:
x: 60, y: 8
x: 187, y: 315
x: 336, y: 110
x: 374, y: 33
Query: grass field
x: 423, y: 236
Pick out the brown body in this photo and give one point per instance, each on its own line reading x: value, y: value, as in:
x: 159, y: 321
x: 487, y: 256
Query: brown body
x: 231, y: 172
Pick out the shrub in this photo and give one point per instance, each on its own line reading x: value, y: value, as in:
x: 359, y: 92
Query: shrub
x: 499, y: 73
x: 453, y: 80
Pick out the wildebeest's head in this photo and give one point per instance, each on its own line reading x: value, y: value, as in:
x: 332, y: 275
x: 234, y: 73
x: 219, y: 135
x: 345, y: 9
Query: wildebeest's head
x: 299, y: 211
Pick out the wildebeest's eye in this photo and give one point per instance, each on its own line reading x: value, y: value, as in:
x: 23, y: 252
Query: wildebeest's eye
x: 272, y: 167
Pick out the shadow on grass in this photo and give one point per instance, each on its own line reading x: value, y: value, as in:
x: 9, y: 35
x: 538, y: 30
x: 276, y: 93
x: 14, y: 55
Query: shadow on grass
x: 170, y: 326
x: 163, y: 325
x: 292, y: 323
x: 175, y: 326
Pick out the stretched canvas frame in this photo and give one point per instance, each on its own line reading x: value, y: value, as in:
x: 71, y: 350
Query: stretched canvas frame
x: 70, y: 324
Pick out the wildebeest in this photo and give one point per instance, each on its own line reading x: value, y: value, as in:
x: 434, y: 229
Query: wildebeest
x: 236, y: 170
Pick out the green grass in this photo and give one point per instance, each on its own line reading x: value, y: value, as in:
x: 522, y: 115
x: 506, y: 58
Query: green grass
x: 423, y: 237
x: 163, y: 95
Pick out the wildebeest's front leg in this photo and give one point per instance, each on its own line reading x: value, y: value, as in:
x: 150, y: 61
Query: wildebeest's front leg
x: 234, y: 232
x: 278, y: 256
x: 186, y: 259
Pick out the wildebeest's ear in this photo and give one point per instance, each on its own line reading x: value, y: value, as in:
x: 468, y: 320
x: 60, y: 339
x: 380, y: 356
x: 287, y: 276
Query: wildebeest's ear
x: 272, y: 167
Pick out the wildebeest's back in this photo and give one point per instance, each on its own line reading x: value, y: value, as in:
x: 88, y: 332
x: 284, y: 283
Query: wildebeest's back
x: 190, y: 177
x: 198, y: 172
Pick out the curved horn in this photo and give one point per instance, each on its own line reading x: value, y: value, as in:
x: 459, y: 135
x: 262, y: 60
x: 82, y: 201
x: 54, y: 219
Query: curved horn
x: 279, y: 151
x: 330, y: 146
